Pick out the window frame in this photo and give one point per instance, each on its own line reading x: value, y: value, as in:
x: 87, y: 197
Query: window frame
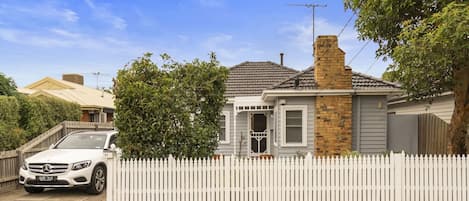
x: 227, y: 128
x: 304, y: 124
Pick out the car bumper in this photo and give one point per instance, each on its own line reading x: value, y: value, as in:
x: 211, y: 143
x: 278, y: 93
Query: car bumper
x: 66, y: 179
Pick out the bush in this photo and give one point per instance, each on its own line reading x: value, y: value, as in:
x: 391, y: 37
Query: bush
x: 39, y: 114
x: 11, y: 136
x: 172, y: 109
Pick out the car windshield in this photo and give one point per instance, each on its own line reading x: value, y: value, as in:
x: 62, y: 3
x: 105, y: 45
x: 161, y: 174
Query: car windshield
x: 83, y: 141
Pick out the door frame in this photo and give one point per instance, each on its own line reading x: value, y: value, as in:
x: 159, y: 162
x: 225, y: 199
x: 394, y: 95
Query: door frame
x: 267, y: 128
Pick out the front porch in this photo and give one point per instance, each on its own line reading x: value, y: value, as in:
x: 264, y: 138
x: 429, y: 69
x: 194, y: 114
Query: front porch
x: 254, y: 124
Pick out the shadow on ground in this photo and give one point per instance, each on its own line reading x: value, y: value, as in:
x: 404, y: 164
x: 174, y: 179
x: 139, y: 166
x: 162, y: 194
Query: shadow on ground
x: 51, y: 195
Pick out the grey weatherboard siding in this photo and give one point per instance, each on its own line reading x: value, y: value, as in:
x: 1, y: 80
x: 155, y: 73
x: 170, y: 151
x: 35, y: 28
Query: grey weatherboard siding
x: 369, y: 124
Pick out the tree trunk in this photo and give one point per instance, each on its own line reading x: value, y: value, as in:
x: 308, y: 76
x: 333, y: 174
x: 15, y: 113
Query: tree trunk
x: 457, y: 138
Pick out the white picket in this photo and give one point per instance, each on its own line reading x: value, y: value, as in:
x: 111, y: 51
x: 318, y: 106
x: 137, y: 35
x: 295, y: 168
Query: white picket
x: 396, y: 177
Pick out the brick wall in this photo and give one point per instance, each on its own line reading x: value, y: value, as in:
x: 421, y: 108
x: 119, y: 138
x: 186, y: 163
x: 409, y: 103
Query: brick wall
x: 333, y: 120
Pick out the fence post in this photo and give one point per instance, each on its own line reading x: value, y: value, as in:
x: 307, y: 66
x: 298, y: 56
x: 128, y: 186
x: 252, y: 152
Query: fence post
x: 398, y: 164
x: 110, y: 158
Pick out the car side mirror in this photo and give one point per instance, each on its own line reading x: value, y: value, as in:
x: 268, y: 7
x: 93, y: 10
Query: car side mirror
x: 112, y: 147
x: 51, y: 146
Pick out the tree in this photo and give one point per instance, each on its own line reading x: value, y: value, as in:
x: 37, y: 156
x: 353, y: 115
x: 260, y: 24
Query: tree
x: 172, y: 109
x: 429, y: 43
x: 390, y: 75
x: 7, y: 86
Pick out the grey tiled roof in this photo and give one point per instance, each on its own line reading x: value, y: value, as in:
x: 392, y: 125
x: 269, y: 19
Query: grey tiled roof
x: 306, y: 80
x: 250, y: 78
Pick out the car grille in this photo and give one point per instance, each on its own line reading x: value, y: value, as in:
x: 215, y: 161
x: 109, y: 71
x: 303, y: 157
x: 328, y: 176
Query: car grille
x: 48, y: 168
x: 37, y: 182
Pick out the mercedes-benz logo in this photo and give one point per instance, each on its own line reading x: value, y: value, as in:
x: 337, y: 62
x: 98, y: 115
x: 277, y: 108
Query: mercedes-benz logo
x: 46, y: 168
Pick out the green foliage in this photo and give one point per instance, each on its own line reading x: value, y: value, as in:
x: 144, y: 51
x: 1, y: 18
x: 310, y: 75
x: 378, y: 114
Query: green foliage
x: 382, y: 21
x: 351, y: 153
x: 429, y: 43
x: 425, y: 62
x: 7, y: 86
x: 39, y: 114
x: 10, y: 135
x: 390, y: 75
x: 169, y: 109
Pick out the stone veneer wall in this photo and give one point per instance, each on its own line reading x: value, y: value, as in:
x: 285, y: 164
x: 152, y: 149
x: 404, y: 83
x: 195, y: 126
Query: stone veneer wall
x: 333, y: 120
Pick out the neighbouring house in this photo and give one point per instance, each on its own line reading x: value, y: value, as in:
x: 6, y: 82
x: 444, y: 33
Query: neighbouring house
x: 327, y: 109
x: 421, y: 126
x: 96, y: 105
x: 442, y: 106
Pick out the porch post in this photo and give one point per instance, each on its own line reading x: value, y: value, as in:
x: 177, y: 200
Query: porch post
x: 235, y: 114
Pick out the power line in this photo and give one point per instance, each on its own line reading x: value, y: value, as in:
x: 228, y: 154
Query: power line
x: 343, y: 28
x: 372, y: 64
x: 313, y: 7
x: 359, y: 51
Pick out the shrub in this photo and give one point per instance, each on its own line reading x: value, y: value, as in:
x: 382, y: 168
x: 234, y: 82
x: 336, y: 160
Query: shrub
x: 172, y: 109
x: 39, y: 114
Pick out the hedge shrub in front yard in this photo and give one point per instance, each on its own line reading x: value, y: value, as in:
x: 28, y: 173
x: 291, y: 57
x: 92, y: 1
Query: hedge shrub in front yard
x: 11, y: 136
x: 172, y: 109
x: 22, y: 118
x: 39, y: 114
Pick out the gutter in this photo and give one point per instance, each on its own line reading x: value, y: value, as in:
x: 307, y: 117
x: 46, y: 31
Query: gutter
x: 267, y: 94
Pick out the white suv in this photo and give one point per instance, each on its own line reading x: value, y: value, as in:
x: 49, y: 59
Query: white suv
x: 75, y: 160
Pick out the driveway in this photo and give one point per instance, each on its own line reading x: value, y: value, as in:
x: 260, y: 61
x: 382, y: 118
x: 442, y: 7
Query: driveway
x: 51, y: 195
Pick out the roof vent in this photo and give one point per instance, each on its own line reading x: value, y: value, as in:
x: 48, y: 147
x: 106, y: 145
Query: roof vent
x: 281, y: 58
x: 297, y: 82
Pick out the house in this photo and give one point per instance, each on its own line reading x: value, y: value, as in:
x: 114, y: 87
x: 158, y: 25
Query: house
x: 96, y: 105
x: 326, y: 109
x: 442, y: 106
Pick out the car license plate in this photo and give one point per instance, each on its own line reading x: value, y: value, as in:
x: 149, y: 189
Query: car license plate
x: 46, y: 178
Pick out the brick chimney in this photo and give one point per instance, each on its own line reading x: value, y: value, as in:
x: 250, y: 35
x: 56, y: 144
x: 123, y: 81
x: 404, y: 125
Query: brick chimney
x: 333, y: 120
x: 75, y: 78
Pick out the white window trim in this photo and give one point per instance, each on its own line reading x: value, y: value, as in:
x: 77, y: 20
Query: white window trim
x: 304, y: 111
x: 275, y: 121
x: 227, y: 128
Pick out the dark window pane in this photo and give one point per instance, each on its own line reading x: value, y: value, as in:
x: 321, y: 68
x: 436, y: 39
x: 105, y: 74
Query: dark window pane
x: 222, y: 133
x: 294, y: 135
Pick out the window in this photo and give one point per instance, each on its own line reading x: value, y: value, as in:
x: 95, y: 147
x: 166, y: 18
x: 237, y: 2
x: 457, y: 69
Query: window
x: 224, y: 132
x: 294, y: 125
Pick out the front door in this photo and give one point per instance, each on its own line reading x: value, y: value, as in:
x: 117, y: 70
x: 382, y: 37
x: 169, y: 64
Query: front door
x: 259, y: 134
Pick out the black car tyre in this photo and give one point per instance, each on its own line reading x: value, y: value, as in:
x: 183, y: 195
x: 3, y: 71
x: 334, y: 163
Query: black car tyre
x: 98, y: 180
x: 33, y: 189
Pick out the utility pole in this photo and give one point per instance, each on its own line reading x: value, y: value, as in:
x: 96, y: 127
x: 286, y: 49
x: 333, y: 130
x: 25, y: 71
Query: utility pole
x: 313, y: 7
x: 97, y: 74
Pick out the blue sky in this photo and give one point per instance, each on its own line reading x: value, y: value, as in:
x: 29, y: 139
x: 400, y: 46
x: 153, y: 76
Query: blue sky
x: 41, y: 38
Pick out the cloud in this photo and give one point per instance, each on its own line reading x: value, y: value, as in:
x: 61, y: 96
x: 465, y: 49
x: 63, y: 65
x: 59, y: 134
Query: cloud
x: 44, y: 10
x: 64, y: 33
x: 68, y: 39
x: 228, y: 50
x: 301, y: 34
x: 70, y: 15
x: 102, y: 12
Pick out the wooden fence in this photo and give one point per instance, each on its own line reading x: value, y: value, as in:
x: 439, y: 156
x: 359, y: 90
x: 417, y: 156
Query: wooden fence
x: 11, y: 161
x: 432, y: 134
x: 368, y: 178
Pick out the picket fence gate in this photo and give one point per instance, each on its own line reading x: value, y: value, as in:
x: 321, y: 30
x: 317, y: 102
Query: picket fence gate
x: 397, y: 177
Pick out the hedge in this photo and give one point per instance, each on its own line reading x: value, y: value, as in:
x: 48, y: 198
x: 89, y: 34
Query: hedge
x: 23, y: 117
x: 39, y: 114
x: 11, y: 136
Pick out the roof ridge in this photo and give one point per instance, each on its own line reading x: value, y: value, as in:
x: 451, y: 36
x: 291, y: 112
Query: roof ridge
x: 377, y: 79
x: 283, y: 66
x: 271, y: 62
x: 292, y: 76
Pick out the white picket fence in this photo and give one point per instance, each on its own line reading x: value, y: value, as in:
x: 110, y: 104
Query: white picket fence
x: 368, y: 178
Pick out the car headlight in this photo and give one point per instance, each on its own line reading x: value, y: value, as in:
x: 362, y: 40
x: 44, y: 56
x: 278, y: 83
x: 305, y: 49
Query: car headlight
x: 24, y: 166
x: 80, y: 165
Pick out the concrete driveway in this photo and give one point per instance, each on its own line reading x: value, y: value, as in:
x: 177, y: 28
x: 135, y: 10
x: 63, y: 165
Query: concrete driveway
x: 51, y: 195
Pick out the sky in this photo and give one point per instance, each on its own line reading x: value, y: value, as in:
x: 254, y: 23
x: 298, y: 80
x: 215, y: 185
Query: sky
x: 40, y: 38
